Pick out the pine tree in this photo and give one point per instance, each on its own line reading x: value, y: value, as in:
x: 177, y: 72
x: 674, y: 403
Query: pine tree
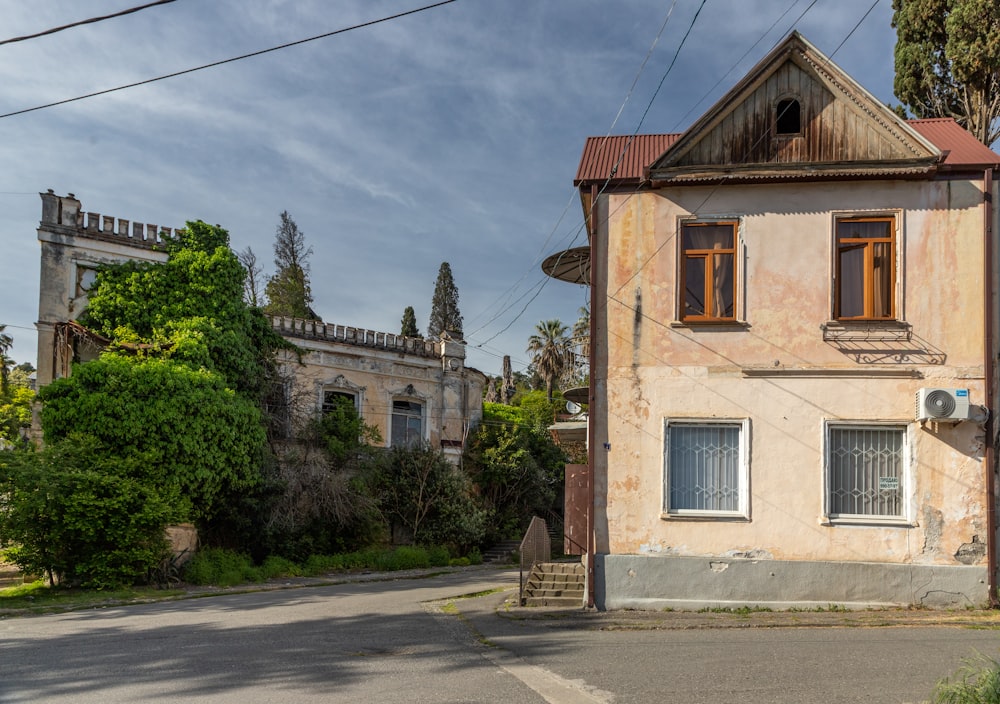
x: 288, y: 291
x: 409, y: 323
x: 445, y: 316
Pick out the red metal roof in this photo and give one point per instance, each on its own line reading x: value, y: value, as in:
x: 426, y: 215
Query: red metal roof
x: 601, y: 154
x: 633, y: 154
x: 960, y: 147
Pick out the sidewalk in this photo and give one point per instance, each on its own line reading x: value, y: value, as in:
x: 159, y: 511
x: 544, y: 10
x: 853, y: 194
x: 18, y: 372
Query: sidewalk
x: 503, y: 606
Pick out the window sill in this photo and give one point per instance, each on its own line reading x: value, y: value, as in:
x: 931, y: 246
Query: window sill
x: 869, y: 521
x: 726, y: 325
x: 866, y: 330
x: 705, y: 516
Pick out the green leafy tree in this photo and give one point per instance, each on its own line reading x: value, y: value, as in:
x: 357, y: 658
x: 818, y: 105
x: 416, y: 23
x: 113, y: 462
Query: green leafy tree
x: 200, y: 435
x: 409, y: 323
x: 178, y: 392
x: 948, y: 61
x: 423, y: 498
x: 516, y: 467
x: 549, y: 350
x: 84, y: 516
x: 288, y: 290
x: 445, y: 316
x: 190, y: 310
x: 15, y: 407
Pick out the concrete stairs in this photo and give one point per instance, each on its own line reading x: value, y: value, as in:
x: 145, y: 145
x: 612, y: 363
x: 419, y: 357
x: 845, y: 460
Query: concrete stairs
x: 556, y: 584
x: 502, y: 551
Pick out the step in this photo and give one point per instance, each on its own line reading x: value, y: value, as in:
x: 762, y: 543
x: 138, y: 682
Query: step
x: 564, y: 601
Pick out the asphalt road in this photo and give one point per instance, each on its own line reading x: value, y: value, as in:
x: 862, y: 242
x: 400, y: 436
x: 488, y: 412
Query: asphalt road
x: 406, y: 641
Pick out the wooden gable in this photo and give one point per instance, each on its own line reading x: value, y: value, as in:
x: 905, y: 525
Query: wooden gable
x: 796, y: 114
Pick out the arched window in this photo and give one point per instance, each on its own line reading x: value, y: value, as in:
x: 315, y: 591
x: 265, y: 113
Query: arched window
x: 788, y: 117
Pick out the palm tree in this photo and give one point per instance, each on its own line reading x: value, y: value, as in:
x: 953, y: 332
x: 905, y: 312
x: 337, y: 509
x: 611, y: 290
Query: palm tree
x: 549, y: 350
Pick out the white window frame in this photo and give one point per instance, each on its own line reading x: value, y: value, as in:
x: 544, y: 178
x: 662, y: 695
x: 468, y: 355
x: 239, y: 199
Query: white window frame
x: 743, y: 503
x: 905, y: 479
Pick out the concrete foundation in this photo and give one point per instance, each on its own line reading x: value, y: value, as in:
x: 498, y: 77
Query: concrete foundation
x: 658, y: 582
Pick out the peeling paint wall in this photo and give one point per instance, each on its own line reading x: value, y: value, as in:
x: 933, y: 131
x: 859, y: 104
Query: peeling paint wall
x: 784, y: 373
x: 450, y: 393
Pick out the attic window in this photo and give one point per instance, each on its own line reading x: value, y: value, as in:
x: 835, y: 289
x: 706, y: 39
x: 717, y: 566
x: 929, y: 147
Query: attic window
x: 788, y: 117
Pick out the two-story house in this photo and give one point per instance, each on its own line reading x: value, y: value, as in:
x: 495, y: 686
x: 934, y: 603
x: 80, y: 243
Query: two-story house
x: 794, y: 347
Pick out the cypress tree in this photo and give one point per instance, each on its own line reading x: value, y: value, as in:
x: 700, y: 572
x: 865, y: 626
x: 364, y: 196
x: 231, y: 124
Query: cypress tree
x: 445, y: 316
x: 409, y: 323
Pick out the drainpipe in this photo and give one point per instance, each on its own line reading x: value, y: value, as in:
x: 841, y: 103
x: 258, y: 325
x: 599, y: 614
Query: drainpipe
x: 591, y: 398
x: 989, y: 370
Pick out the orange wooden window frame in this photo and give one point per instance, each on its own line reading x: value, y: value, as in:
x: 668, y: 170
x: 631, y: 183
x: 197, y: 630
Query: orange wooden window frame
x: 708, y: 255
x: 868, y: 292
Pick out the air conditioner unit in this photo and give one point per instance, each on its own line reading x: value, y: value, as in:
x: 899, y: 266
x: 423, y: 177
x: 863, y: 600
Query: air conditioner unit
x: 943, y: 405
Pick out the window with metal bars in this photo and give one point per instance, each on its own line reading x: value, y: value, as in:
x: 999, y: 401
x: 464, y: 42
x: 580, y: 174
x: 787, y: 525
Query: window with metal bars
x: 705, y: 468
x: 865, y: 471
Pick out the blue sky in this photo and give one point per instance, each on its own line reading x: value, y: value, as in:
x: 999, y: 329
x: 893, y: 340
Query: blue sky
x: 448, y: 135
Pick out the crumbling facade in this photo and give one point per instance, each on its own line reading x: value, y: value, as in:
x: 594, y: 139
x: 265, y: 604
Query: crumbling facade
x: 413, y: 391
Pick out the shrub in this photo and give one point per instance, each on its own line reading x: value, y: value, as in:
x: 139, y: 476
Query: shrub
x: 276, y: 566
x: 84, y: 517
x: 438, y: 556
x: 219, y: 567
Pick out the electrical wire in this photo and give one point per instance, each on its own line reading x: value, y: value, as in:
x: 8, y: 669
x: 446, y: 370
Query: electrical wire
x: 230, y: 60
x: 91, y: 20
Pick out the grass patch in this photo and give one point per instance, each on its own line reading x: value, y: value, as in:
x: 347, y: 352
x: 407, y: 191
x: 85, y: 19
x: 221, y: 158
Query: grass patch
x: 976, y: 682
x: 739, y: 610
x: 38, y: 597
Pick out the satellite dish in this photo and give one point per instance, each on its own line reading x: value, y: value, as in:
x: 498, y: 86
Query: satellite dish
x: 573, y: 408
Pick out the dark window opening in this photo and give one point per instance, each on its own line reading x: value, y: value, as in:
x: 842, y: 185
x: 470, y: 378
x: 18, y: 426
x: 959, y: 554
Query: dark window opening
x: 789, y: 117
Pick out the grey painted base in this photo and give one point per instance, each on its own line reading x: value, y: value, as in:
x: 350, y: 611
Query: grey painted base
x: 657, y: 582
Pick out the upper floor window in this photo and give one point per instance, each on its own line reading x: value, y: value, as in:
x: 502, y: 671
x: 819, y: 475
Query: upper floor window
x: 407, y: 423
x: 865, y: 269
x: 708, y: 277
x: 788, y: 117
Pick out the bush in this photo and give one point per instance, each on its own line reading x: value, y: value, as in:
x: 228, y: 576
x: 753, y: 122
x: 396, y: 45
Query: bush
x: 84, y: 517
x: 276, y: 566
x: 423, y: 498
x: 438, y: 556
x: 222, y: 568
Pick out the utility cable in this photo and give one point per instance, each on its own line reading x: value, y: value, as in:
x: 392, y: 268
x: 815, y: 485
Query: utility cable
x: 230, y: 60
x: 83, y: 22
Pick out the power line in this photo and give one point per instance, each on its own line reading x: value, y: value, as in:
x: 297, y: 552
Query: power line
x: 230, y: 60
x: 83, y: 22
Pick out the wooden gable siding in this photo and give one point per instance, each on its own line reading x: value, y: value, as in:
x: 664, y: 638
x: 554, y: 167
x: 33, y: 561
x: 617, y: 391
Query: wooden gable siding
x: 833, y: 130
